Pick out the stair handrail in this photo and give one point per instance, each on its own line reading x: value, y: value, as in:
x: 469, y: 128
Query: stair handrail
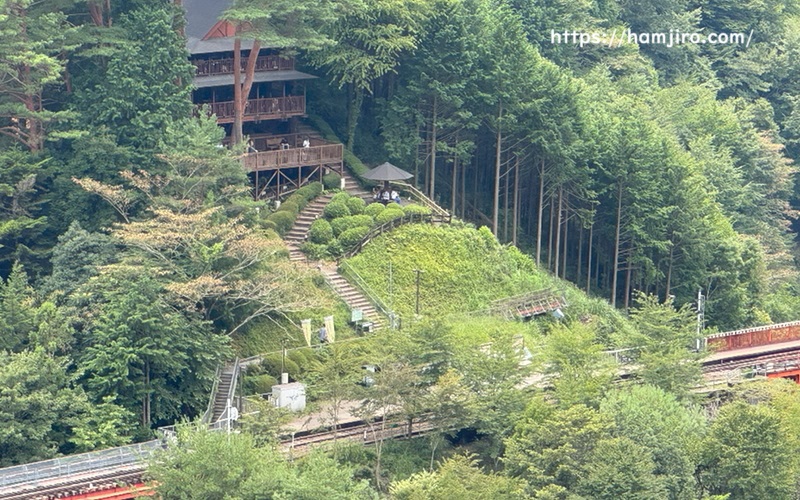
x: 211, y: 397
x: 422, y: 198
x: 232, y: 389
x: 347, y: 271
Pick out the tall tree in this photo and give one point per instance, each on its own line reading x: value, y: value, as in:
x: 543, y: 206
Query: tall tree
x: 289, y: 25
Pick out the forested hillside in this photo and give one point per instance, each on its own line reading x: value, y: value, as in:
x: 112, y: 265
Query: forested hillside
x: 135, y: 259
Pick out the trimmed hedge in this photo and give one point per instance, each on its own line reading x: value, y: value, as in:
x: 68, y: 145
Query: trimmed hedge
x: 340, y: 196
x: 315, y: 251
x: 283, y: 218
x: 336, y: 209
x: 353, y: 236
x: 374, y: 209
x: 283, y: 221
x: 332, y: 180
x: 414, y: 209
x: 356, y: 205
x: 390, y: 213
x: 320, y: 232
x: 342, y: 224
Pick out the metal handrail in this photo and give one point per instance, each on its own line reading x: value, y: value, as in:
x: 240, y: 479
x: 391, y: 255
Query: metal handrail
x: 422, y: 198
x: 348, y: 271
x: 210, y: 408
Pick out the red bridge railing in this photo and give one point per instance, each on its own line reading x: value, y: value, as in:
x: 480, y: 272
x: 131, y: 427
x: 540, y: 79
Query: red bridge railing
x: 753, y: 337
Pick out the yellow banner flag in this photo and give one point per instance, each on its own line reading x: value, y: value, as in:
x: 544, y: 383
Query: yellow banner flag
x: 306, y: 324
x: 329, y: 328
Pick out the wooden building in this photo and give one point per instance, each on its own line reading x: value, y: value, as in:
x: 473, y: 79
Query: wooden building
x: 288, y: 153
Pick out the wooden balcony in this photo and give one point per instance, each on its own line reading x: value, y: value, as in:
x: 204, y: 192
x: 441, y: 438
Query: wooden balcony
x: 269, y: 108
x: 210, y: 67
x: 318, y: 155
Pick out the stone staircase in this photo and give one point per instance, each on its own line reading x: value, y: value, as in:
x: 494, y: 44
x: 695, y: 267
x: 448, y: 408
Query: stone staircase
x: 353, y: 297
x: 299, y: 232
x: 226, y: 382
x: 353, y: 188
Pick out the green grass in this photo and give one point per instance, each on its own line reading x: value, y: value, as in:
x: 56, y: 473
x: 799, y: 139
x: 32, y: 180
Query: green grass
x: 464, y: 270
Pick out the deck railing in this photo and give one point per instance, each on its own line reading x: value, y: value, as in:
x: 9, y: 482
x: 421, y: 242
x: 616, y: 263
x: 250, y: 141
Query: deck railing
x: 296, y: 157
x: 267, y: 108
x: 210, y: 67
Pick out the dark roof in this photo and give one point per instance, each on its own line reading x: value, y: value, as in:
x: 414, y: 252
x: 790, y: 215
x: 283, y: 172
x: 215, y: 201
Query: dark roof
x: 210, y: 46
x: 202, y: 15
x: 262, y: 76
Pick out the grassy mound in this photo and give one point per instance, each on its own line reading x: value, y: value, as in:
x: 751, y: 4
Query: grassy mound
x: 465, y: 269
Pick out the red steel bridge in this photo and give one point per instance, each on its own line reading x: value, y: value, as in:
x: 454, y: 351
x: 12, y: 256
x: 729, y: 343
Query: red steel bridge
x: 117, y: 474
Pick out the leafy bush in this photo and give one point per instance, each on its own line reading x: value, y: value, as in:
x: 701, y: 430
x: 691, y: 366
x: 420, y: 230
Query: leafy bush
x: 283, y: 221
x: 320, y: 232
x: 272, y: 366
x: 342, y: 224
x: 340, y: 196
x: 336, y: 209
x: 290, y: 206
x: 356, y: 205
x: 332, y: 180
x: 335, y: 248
x: 390, y: 213
x: 374, y: 209
x: 307, y: 193
x: 414, y: 209
x: 259, y: 384
x: 353, y: 236
x: 314, y: 251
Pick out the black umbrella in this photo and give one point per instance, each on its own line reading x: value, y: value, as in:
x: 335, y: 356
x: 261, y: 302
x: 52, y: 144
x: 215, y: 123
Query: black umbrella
x: 387, y: 172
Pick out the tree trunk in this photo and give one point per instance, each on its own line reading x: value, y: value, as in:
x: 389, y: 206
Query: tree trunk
x: 589, y: 260
x: 238, y: 107
x: 506, y: 208
x: 454, y: 182
x: 558, y: 230
x: 434, y: 116
x: 628, y: 281
x: 515, y: 223
x: 352, y: 115
x: 464, y: 190
x: 566, y: 241
x: 669, y: 272
x: 616, y: 246
x: 579, y: 267
x: 496, y: 206
x: 550, y: 235
x: 541, y: 211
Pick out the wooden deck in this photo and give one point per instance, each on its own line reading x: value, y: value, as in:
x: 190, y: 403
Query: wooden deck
x: 269, y: 108
x: 327, y: 154
x: 210, y: 67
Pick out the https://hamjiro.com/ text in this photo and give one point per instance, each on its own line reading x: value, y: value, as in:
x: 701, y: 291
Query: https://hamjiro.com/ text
x: 617, y: 38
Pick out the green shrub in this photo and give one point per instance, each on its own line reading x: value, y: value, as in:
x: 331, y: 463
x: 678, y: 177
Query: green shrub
x: 290, y: 206
x: 356, y: 205
x: 272, y: 366
x: 390, y: 213
x: 332, y: 180
x: 259, y: 384
x: 414, y: 209
x: 314, y: 251
x: 342, y: 224
x: 336, y: 209
x: 308, y: 192
x: 353, y: 236
x: 320, y: 232
x: 340, y: 196
x: 374, y: 209
x: 335, y: 248
x: 283, y: 221
x: 270, y: 225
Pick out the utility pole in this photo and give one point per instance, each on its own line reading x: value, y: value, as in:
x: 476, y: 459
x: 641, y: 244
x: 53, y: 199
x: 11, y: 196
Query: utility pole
x: 701, y: 310
x: 418, y: 271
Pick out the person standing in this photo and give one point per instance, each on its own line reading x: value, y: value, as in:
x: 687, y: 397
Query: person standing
x: 323, y: 335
